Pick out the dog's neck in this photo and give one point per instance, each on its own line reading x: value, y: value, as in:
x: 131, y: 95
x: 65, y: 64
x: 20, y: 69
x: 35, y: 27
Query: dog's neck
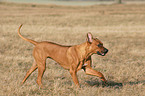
x: 83, y: 50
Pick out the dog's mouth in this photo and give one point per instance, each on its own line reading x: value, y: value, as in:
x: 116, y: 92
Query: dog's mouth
x: 103, y: 53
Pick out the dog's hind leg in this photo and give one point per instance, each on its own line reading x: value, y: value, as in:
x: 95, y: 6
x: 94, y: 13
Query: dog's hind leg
x: 34, y: 66
x: 41, y: 68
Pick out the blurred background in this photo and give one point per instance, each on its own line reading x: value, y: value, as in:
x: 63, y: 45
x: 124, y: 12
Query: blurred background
x: 76, y: 2
x: 119, y: 24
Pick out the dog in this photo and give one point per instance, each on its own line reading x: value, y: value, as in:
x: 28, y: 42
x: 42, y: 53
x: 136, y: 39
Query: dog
x: 72, y: 58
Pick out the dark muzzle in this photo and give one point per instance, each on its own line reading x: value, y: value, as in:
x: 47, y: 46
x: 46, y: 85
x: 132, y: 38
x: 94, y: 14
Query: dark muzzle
x: 102, y: 53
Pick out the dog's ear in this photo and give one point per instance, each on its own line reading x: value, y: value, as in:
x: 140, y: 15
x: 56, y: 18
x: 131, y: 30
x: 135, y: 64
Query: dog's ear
x: 89, y: 37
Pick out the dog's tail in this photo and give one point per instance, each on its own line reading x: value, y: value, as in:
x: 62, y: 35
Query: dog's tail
x: 29, y: 40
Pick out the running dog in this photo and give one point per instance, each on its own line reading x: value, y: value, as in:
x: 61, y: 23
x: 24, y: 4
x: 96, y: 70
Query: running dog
x: 72, y: 58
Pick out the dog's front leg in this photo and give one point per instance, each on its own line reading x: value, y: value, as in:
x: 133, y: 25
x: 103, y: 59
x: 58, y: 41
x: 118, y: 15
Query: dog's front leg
x: 89, y: 71
x: 80, y: 65
x: 93, y: 72
x: 73, y: 72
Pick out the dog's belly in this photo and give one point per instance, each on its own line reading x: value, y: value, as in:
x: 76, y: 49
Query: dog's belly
x: 58, y: 54
x: 61, y: 60
x: 65, y: 66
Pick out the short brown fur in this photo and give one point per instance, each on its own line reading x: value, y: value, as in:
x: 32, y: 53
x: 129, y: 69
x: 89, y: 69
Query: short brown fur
x: 72, y: 58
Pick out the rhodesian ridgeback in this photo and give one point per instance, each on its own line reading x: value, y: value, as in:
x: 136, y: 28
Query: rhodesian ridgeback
x: 72, y: 58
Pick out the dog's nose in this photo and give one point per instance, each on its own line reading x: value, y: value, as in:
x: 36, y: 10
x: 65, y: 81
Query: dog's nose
x: 105, y: 50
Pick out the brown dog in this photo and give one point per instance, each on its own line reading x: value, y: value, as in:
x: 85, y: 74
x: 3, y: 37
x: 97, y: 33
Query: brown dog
x: 72, y: 58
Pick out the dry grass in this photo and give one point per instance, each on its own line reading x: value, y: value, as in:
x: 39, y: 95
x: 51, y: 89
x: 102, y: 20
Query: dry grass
x: 119, y: 27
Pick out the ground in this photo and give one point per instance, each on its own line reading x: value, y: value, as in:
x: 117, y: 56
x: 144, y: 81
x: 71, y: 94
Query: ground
x: 120, y: 27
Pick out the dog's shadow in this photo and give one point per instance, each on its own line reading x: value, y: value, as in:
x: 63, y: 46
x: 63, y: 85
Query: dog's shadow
x: 112, y: 84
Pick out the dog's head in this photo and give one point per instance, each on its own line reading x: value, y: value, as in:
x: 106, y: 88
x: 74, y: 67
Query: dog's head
x: 96, y: 46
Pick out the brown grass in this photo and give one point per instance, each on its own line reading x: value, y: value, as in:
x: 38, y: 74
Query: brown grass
x: 120, y: 27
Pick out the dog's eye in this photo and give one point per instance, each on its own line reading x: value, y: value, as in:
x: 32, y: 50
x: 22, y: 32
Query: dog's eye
x: 99, y: 45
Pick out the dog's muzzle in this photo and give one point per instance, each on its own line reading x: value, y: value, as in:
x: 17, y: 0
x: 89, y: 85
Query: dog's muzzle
x: 102, y: 53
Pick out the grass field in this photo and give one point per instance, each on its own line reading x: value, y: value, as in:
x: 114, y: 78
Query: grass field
x: 120, y: 27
